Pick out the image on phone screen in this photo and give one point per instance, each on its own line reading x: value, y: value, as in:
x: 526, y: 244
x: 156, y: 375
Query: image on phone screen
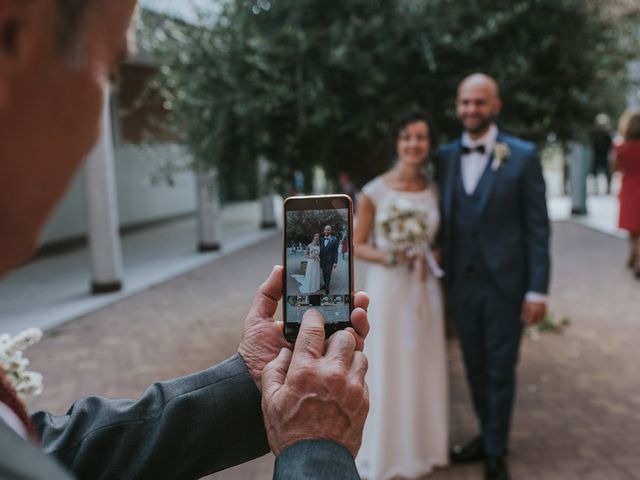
x: 317, y: 256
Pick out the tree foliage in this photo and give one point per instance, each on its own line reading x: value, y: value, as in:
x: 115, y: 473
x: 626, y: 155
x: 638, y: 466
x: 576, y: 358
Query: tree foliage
x: 319, y: 82
x: 302, y: 226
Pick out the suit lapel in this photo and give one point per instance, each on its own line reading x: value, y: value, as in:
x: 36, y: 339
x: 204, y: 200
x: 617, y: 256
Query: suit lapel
x: 486, y: 185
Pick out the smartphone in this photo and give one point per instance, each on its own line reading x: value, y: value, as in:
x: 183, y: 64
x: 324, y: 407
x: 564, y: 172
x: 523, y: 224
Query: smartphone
x: 318, y: 261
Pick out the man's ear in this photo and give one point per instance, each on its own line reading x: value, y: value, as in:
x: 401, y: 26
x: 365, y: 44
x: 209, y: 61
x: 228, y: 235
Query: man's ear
x: 20, y: 31
x: 498, y: 105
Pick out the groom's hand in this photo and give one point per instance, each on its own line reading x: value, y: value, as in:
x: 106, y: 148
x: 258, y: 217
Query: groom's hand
x: 533, y: 312
x: 335, y: 265
x: 316, y: 392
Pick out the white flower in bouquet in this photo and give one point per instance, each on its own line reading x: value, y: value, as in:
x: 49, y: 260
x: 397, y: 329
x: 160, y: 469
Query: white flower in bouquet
x: 405, y: 226
x: 14, y: 364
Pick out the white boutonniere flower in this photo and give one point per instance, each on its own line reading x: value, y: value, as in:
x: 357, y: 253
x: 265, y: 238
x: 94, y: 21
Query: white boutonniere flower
x: 500, y: 155
x: 14, y: 364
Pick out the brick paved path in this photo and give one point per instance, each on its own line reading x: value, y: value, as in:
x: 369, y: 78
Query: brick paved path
x: 578, y: 408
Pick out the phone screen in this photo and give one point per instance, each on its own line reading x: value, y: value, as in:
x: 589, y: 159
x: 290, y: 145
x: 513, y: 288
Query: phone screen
x: 318, y: 261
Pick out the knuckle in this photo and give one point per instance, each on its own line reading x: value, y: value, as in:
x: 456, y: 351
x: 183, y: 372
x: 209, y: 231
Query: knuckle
x: 345, y: 340
x: 355, y: 389
x: 334, y: 378
x: 302, y: 375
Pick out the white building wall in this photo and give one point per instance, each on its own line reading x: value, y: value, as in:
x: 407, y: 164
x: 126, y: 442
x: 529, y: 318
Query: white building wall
x: 142, y: 201
x: 139, y: 201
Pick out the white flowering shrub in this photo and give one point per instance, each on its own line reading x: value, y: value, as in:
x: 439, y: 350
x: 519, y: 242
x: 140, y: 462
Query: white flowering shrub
x: 12, y: 361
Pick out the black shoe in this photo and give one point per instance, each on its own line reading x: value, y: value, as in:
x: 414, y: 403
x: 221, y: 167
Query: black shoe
x: 637, y: 273
x: 471, y: 452
x: 495, y: 468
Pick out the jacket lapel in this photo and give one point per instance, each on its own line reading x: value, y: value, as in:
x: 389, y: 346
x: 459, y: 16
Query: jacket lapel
x: 486, y: 185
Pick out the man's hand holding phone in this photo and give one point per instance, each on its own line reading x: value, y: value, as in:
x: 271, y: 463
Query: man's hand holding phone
x: 262, y: 337
x: 317, y: 391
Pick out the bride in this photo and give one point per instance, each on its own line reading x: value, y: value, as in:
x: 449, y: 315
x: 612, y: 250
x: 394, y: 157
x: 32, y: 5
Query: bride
x: 406, y: 433
x: 310, y: 281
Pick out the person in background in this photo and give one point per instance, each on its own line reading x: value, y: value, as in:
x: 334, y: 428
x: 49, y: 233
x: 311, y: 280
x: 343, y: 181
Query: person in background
x: 627, y: 161
x: 347, y: 187
x: 601, y: 144
x: 308, y: 406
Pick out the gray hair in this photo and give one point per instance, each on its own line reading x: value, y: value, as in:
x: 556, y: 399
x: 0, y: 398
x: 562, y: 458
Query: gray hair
x: 72, y: 13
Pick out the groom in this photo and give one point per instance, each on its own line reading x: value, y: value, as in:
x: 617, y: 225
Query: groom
x: 328, y: 256
x: 496, y: 253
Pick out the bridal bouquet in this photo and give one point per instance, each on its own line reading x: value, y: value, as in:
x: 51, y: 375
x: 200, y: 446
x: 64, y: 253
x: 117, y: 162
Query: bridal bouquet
x: 405, y: 227
x: 26, y: 383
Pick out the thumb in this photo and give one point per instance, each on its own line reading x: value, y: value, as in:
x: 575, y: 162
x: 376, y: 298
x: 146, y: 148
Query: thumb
x: 265, y: 303
x: 275, y: 373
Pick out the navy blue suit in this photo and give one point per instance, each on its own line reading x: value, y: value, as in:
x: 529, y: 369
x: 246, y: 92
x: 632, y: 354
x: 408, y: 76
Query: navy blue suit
x: 328, y: 258
x: 496, y: 249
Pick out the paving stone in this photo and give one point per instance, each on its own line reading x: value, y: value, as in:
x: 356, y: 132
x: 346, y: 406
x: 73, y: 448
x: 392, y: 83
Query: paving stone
x: 578, y: 406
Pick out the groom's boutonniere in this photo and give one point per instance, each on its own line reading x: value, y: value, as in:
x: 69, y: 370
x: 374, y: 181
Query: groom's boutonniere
x: 500, y: 155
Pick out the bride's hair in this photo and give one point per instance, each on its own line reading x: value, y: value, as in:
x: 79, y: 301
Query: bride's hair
x: 407, y: 118
x: 412, y: 116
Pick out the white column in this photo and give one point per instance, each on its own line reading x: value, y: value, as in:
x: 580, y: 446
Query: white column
x: 578, y: 170
x: 102, y: 212
x: 268, y: 214
x: 208, y: 209
x: 633, y: 97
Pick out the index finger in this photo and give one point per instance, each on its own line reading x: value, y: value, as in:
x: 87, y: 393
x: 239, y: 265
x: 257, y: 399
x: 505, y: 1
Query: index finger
x: 265, y: 303
x: 361, y: 300
x: 310, y: 340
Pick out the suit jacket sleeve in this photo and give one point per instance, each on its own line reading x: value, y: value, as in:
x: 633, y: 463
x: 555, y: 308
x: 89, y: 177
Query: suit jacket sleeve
x: 537, y: 227
x: 334, y: 251
x: 179, y: 429
x: 317, y: 460
x: 439, y: 174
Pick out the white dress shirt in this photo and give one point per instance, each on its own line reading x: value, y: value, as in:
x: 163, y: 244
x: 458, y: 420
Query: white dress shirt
x: 473, y: 165
x: 11, y: 419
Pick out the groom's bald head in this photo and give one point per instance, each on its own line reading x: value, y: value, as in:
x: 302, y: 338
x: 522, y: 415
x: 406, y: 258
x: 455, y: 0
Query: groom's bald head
x: 480, y: 81
x: 478, y: 103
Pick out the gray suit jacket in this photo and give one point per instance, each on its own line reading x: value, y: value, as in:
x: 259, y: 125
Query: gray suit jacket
x: 180, y: 429
x: 514, y: 226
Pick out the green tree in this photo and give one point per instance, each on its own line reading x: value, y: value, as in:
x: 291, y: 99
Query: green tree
x: 319, y: 82
x: 301, y: 227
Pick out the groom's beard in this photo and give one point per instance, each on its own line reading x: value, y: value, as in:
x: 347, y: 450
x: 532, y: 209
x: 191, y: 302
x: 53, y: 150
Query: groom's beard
x: 482, y: 126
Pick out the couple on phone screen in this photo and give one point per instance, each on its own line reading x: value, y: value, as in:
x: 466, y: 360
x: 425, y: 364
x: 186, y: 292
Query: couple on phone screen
x: 322, y: 259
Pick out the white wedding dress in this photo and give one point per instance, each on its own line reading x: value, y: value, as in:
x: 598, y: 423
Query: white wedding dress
x: 310, y: 282
x: 406, y: 432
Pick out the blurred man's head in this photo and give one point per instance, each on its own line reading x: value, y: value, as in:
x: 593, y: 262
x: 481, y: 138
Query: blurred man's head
x: 56, y: 58
x: 478, y: 103
x: 327, y: 230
